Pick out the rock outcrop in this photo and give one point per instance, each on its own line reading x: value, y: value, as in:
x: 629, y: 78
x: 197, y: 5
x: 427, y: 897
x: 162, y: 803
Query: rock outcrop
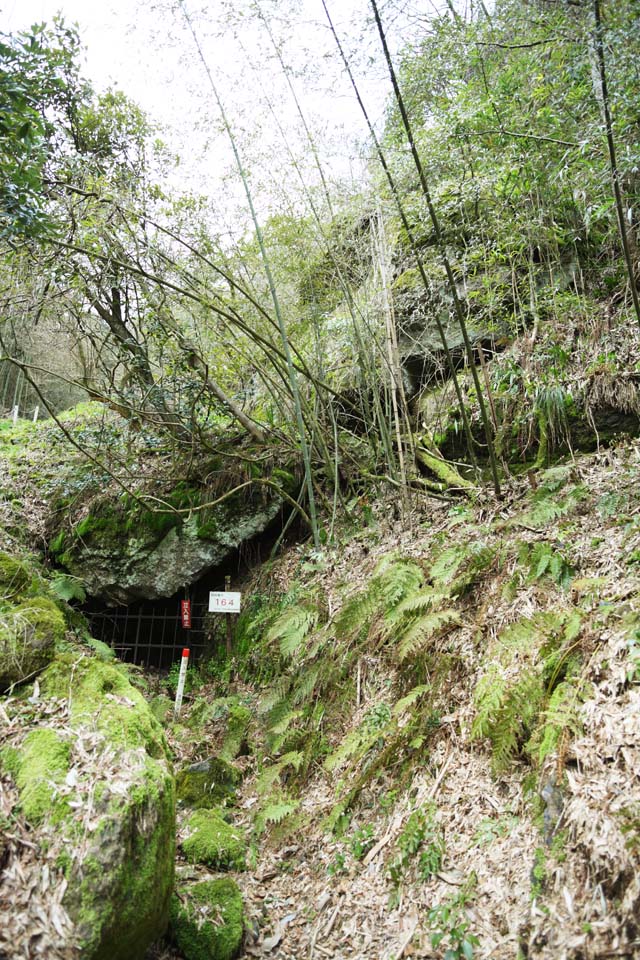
x: 123, y: 554
x: 94, y: 784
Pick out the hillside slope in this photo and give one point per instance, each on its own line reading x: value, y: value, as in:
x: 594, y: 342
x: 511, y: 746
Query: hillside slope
x: 443, y: 757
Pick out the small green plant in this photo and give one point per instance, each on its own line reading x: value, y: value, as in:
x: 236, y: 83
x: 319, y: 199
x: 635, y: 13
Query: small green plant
x: 337, y: 865
x: 361, y: 841
x: 420, y: 841
x: 491, y: 828
x: 192, y: 681
x: 450, y: 928
x: 633, y: 653
x: 542, y: 560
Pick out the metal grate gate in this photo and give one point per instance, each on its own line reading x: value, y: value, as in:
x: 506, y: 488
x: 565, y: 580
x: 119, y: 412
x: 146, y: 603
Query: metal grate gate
x: 152, y: 633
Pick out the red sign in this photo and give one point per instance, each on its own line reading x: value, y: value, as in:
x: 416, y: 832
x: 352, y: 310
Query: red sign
x: 185, y: 611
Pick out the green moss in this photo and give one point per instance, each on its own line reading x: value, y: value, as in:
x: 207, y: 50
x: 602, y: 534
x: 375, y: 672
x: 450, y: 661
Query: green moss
x: 162, y: 708
x: 57, y: 545
x: 29, y: 632
x: 121, y: 904
x: 100, y: 693
x: 15, y: 577
x: 44, y: 762
x: 102, y: 650
x: 214, y: 842
x: 205, y: 784
x: 206, y: 920
x: 119, y: 892
x: 238, y: 722
x: 10, y: 761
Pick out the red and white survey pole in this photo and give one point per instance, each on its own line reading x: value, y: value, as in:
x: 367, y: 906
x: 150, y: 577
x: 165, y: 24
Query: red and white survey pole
x: 181, y: 678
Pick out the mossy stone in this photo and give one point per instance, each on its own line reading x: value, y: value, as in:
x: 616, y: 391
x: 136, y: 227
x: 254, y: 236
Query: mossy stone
x: 29, y: 632
x: 119, y: 891
x: 119, y: 896
x: 214, y: 842
x: 203, y: 785
x: 43, y: 763
x: 102, y: 696
x: 15, y: 577
x: 207, y: 920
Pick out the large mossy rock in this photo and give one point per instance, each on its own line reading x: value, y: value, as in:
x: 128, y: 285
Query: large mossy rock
x: 96, y: 786
x: 207, y: 919
x: 29, y: 632
x: 31, y: 623
x: 124, y: 554
x: 206, y: 783
x: 213, y: 842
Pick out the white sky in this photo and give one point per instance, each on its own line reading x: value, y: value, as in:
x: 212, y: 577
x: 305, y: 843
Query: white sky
x: 144, y: 49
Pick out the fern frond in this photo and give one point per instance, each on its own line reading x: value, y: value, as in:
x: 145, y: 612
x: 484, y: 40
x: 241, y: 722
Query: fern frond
x: 285, y: 722
x: 305, y: 685
x: 425, y: 599
x: 560, y: 720
x: 276, y: 695
x: 416, y: 634
x: 399, y: 580
x: 276, y: 812
x: 407, y: 701
x: 269, y: 775
x: 547, y: 506
x: 293, y: 627
x: 354, y: 746
x: 357, y: 613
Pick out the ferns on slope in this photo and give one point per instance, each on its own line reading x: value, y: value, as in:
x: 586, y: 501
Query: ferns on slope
x: 525, y: 667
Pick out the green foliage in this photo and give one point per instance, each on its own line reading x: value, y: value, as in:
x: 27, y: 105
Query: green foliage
x: 555, y: 497
x: 276, y: 812
x: 560, y: 719
x: 38, y: 84
x: 192, y: 681
x: 66, y: 587
x: 524, y: 666
x: 361, y: 841
x: 450, y: 927
x: 273, y: 773
x: 542, y: 559
x: 293, y: 627
x: 420, y: 845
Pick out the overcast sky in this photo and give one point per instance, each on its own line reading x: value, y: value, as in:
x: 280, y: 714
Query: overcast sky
x: 145, y: 49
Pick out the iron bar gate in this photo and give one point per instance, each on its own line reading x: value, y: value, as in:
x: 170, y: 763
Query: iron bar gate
x: 152, y: 633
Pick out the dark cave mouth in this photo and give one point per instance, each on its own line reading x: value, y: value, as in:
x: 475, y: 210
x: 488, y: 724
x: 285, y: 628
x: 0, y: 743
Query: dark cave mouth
x: 151, y: 634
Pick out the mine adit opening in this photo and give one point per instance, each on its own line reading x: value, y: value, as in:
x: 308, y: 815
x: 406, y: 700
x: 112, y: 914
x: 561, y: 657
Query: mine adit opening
x: 150, y: 633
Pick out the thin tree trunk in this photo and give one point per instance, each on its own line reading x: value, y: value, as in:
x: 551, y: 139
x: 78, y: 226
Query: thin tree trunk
x: 412, y: 242
x: 306, y: 457
x: 613, y: 162
x: 443, y: 254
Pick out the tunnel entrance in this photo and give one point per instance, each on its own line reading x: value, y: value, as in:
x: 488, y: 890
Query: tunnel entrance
x: 151, y: 633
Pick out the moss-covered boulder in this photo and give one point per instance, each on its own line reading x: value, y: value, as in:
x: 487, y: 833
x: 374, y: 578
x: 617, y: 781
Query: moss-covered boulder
x: 205, y: 784
x: 124, y: 555
x: 207, y: 919
x: 95, y: 783
x: 15, y: 577
x: 213, y: 842
x: 29, y: 632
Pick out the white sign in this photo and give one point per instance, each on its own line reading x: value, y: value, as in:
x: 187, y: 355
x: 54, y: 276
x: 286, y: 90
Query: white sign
x: 224, y: 602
